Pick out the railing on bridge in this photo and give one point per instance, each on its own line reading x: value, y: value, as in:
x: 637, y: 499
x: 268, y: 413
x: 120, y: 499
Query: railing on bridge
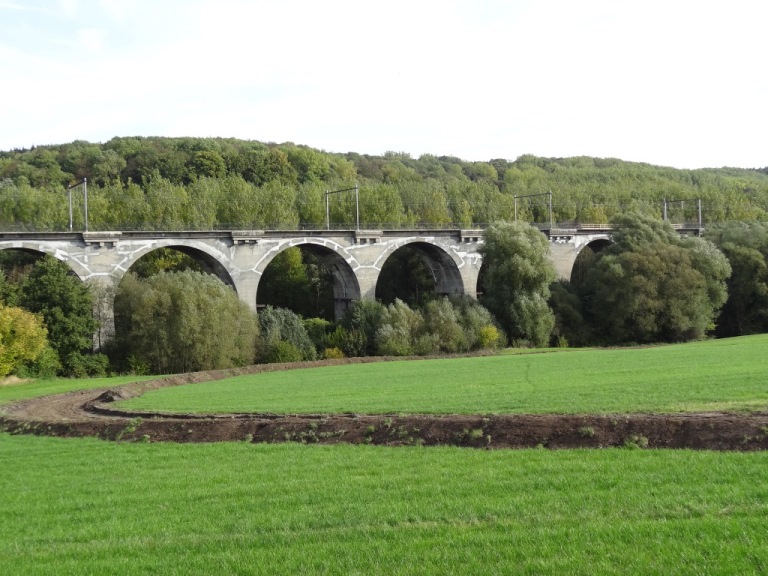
x: 319, y: 230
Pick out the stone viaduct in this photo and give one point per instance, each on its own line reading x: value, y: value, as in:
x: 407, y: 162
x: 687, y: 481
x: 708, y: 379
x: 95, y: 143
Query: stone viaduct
x: 239, y: 257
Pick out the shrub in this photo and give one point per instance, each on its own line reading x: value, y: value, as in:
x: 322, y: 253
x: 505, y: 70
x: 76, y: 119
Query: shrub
x: 489, y: 337
x: 281, y: 324
x: 282, y: 351
x: 332, y: 353
x: 22, y: 338
x: 350, y: 342
x: 317, y: 329
x: 400, y: 327
x: 441, y: 321
x: 365, y: 317
x: 81, y: 365
x: 47, y: 365
x: 480, y: 328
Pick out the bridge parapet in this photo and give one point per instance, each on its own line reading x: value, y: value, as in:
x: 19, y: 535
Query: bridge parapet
x: 368, y: 236
x: 102, y: 239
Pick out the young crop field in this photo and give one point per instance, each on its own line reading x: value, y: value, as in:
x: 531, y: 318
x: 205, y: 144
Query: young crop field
x: 86, y: 506
x: 89, y: 506
x: 715, y: 375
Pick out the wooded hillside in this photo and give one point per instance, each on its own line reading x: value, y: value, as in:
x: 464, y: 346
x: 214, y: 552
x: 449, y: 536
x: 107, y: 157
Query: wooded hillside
x: 203, y: 183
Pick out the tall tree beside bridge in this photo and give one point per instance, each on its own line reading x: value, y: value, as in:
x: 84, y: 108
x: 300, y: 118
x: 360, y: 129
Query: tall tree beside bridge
x: 516, y: 278
x: 653, y: 286
x: 66, y: 305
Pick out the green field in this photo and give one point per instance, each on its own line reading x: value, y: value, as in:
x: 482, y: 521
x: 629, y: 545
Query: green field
x: 714, y: 375
x: 85, y: 506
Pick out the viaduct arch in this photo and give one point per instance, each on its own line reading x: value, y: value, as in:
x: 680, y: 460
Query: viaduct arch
x: 239, y: 258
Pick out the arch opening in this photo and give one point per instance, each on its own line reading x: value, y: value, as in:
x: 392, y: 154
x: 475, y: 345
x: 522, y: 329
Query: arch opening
x: 311, y: 280
x: 586, y: 259
x: 417, y: 272
x: 178, y: 258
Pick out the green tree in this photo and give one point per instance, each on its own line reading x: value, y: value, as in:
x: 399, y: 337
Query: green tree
x: 746, y: 247
x: 66, y: 304
x: 279, y: 325
x: 180, y: 322
x: 652, y: 286
x: 400, y: 332
x: 516, y: 279
x: 364, y: 318
x: 276, y: 206
x: 208, y: 163
x: 164, y: 260
x: 570, y: 326
x: 406, y: 276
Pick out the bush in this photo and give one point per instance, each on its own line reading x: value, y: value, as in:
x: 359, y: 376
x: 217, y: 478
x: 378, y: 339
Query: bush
x: 350, y: 342
x: 282, y: 351
x: 22, y: 338
x: 480, y: 329
x: 489, y: 337
x: 47, y: 365
x: 333, y: 353
x: 281, y: 324
x: 82, y: 365
x: 400, y: 327
x: 365, y: 317
x: 441, y: 322
x: 317, y: 329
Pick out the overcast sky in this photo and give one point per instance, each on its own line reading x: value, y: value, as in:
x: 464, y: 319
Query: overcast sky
x: 675, y: 83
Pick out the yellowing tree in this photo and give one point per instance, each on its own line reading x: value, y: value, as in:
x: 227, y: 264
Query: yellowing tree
x: 23, y: 337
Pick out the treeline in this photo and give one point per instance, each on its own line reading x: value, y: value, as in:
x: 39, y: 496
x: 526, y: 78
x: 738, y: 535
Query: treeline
x: 207, y: 183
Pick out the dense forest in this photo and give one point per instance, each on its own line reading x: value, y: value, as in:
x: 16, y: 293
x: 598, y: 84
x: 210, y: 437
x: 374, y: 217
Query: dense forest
x: 216, y: 183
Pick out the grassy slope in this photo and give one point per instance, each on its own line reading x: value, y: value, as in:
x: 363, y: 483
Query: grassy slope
x: 724, y: 374
x: 84, y: 506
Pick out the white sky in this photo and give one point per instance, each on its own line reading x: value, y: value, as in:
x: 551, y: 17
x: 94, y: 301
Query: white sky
x: 671, y: 82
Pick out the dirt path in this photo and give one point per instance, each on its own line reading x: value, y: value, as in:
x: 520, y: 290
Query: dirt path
x: 92, y: 413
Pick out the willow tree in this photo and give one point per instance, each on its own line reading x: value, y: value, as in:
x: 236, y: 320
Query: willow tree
x: 181, y: 322
x: 517, y: 272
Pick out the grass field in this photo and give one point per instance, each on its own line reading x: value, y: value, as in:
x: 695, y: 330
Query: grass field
x: 715, y: 375
x: 85, y: 506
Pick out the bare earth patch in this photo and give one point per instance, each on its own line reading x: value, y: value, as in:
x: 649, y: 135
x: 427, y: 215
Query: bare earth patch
x: 91, y: 413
